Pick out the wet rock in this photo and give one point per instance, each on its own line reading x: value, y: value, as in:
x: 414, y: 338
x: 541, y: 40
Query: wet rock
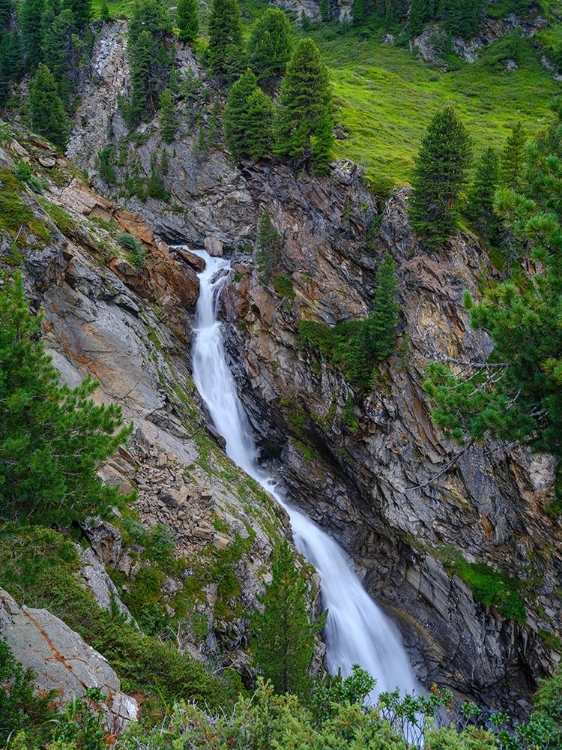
x: 214, y: 247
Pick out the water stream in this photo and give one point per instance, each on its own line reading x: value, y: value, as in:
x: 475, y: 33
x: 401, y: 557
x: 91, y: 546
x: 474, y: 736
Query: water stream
x: 357, y: 631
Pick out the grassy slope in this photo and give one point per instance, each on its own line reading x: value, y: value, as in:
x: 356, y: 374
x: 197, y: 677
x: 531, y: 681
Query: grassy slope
x: 385, y: 97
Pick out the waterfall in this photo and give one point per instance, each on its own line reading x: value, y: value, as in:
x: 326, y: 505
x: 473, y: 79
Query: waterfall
x: 357, y: 631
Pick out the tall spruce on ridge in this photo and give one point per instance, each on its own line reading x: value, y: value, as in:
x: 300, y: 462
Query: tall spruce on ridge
x: 513, y: 158
x: 282, y: 637
x: 304, y: 127
x: 248, y: 119
x: 480, y: 200
x: 268, y: 247
x: 31, y: 14
x: 269, y: 47
x: 187, y: 20
x: 46, y: 109
x: 225, y: 53
x: 439, y: 176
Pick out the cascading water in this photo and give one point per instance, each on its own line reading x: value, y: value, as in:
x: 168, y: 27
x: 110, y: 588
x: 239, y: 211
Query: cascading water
x: 357, y: 632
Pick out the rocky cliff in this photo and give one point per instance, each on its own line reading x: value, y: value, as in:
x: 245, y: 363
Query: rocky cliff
x: 414, y: 517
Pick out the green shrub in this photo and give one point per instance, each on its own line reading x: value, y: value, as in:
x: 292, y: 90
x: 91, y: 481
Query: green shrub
x: 135, y: 250
x: 283, y: 285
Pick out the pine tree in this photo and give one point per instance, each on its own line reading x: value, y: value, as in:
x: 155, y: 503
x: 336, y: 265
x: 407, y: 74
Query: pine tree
x: 168, y: 116
x: 59, y: 52
x: 282, y: 636
x: 418, y: 17
x: 480, y: 204
x: 225, y: 53
x: 268, y: 248
x: 376, y: 336
x: 81, y: 10
x: 440, y: 173
x: 31, y: 13
x: 52, y: 438
x: 188, y: 22
x: 304, y: 127
x: 46, y: 110
x: 358, y: 12
x: 105, y: 15
x: 325, y: 10
x: 513, y: 158
x: 248, y: 119
x: 11, y: 53
x: 270, y: 46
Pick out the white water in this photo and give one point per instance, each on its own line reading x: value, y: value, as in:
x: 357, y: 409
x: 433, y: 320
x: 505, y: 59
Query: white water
x: 357, y: 632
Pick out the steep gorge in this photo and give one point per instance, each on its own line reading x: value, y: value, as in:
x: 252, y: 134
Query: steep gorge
x: 361, y: 466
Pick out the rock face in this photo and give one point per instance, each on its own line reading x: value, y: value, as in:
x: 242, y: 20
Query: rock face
x: 363, y: 466
x: 61, y: 660
x: 129, y: 326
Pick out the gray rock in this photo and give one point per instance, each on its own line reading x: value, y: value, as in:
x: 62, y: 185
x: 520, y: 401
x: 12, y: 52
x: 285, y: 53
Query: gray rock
x: 100, y: 584
x: 61, y: 659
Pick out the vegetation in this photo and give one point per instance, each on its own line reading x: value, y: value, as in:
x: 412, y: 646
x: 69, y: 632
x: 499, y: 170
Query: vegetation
x: 269, y: 47
x: 46, y: 110
x: 135, y: 250
x: 282, y: 636
x: 188, y: 23
x: 304, y: 123
x: 225, y: 54
x: 168, y: 116
x: 269, y: 246
x: 480, y: 207
x: 248, y: 119
x: 52, y: 438
x: 441, y: 172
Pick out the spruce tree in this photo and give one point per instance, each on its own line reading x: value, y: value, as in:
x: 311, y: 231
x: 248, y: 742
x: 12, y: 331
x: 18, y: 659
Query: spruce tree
x: 248, y: 119
x: 81, y: 10
x: 270, y: 46
x: 52, y: 438
x: 11, y: 53
x: 46, y: 110
x: 282, y: 636
x: 268, y: 248
x: 513, y: 158
x: 418, y: 17
x: 168, y: 116
x: 31, y: 13
x: 225, y: 53
x: 480, y: 203
x: 440, y: 174
x: 188, y: 22
x: 304, y: 127
x: 59, y: 52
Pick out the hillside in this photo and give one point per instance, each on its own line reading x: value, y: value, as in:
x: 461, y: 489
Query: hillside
x: 397, y: 382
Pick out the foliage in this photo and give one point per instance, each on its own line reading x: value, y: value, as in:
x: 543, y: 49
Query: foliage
x: 187, y: 20
x: 20, y: 707
x: 269, y: 47
x: 480, y: 207
x: 42, y: 565
x: 11, y: 50
x: 513, y: 157
x: 52, y: 438
x: 149, y: 58
x: 46, y: 109
x: 106, y: 169
x: 517, y: 393
x: 282, y: 636
x: 376, y: 336
x: 31, y: 14
x: 304, y: 124
x: 15, y: 213
x: 268, y: 248
x: 225, y: 53
x: 248, y: 119
x: 133, y: 247
x: 155, y: 187
x: 168, y: 116
x: 59, y: 50
x: 283, y: 285
x: 439, y: 176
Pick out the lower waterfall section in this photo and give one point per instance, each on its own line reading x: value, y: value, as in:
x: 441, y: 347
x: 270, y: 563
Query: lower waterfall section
x: 357, y: 631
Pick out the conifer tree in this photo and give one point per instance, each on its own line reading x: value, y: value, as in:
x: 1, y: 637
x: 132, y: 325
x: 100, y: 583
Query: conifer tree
x: 376, y: 336
x: 31, y: 13
x: 187, y: 19
x: 225, y: 53
x: 439, y: 176
x: 418, y: 17
x: 268, y: 248
x: 105, y: 15
x: 513, y: 158
x: 81, y: 11
x: 270, y: 46
x: 282, y: 636
x: 11, y: 53
x: 480, y: 204
x: 248, y: 119
x: 46, y: 110
x: 304, y: 127
x: 168, y: 116
x: 52, y: 438
x: 59, y: 52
